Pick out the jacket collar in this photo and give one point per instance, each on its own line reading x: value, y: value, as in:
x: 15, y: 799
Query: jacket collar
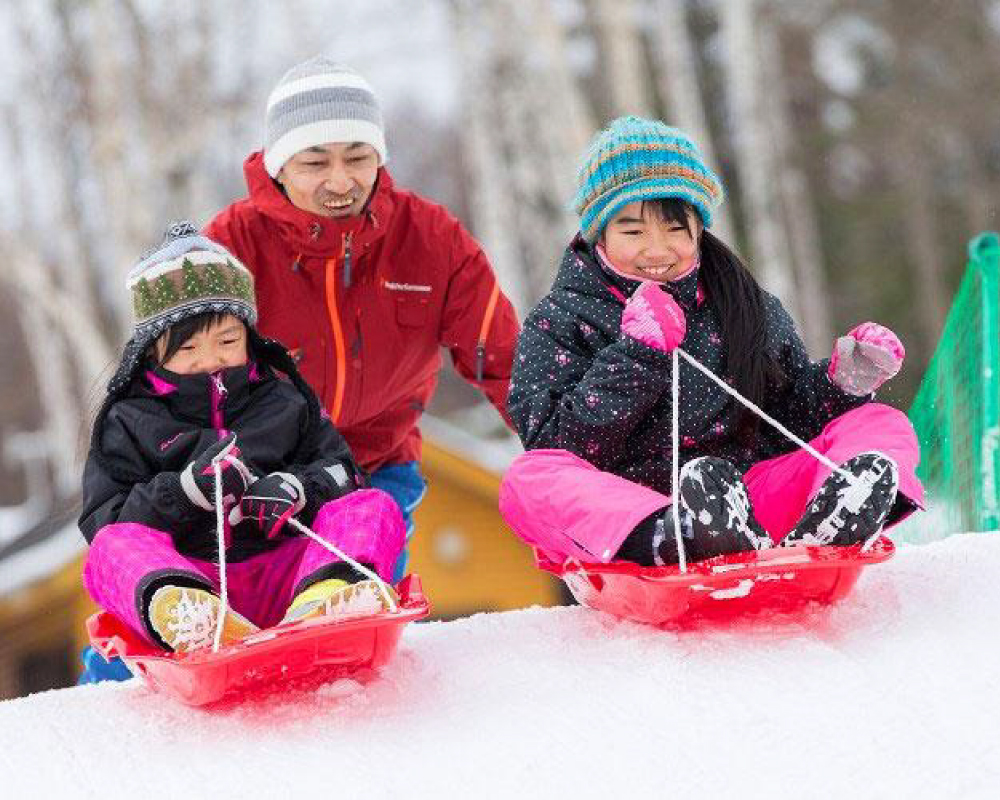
x: 311, y: 234
x: 688, y: 291
x: 193, y: 396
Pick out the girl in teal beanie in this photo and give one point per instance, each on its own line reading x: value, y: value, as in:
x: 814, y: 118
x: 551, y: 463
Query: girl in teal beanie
x: 591, y: 393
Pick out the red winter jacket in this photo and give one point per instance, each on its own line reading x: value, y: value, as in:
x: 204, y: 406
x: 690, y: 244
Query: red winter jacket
x: 365, y: 303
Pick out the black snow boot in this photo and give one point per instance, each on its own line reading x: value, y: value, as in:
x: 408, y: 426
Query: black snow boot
x: 842, y: 514
x: 718, y: 510
x: 715, y: 517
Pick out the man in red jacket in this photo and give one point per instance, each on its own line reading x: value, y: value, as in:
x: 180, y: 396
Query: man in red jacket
x: 362, y: 281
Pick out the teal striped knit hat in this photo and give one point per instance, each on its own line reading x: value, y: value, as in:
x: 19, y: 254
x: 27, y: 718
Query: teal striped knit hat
x: 641, y: 159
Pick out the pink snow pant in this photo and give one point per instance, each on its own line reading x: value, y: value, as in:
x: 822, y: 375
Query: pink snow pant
x: 125, y: 558
x: 566, y: 507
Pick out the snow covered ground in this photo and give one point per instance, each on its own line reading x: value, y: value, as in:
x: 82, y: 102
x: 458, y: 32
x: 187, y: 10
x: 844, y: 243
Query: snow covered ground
x: 893, y: 693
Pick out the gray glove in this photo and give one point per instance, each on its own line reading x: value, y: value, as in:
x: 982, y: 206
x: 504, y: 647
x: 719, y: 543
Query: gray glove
x: 865, y: 358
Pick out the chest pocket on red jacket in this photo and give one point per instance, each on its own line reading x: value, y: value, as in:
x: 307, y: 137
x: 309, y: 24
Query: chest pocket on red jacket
x: 412, y: 312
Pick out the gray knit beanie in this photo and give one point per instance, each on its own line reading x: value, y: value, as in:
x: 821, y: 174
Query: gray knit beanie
x: 318, y: 102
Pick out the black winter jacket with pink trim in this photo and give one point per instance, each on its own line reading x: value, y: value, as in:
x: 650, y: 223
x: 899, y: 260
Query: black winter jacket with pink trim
x: 165, y: 420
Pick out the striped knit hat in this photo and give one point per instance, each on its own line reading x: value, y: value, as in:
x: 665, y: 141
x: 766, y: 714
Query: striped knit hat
x: 319, y: 102
x: 641, y: 159
x: 187, y: 274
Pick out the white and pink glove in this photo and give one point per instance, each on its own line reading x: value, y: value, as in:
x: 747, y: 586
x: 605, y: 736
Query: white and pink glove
x: 653, y: 317
x: 865, y: 358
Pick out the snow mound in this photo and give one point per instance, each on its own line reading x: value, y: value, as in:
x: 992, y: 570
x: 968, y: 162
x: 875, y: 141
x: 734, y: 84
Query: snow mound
x: 893, y: 693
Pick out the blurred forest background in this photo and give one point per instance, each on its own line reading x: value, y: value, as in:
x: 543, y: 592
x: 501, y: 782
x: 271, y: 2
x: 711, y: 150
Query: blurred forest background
x: 859, y: 141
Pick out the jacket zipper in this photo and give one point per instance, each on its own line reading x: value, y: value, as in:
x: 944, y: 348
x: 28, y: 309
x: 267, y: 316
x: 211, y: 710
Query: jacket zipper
x: 347, y: 260
x: 219, y: 391
x: 338, y: 331
x: 484, y: 330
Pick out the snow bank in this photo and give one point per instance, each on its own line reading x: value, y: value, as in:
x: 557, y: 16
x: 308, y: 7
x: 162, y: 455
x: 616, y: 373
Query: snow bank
x: 893, y: 693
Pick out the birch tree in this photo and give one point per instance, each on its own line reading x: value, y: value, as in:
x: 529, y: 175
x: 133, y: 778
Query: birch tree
x: 623, y: 76
x: 675, y: 57
x: 796, y: 201
x: 522, y: 150
x: 755, y: 157
x: 492, y: 213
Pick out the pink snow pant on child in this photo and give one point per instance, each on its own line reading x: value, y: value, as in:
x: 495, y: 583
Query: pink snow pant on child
x: 126, y: 557
x: 567, y: 508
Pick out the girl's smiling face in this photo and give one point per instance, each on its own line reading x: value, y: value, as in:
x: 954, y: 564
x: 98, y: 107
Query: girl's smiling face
x: 641, y: 243
x: 222, y: 343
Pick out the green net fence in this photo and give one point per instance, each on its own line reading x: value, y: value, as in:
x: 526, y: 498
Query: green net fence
x: 956, y: 411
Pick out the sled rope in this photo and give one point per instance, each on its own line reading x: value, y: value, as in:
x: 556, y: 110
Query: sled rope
x: 676, y: 466
x: 338, y: 552
x: 220, y: 529
x: 675, y: 426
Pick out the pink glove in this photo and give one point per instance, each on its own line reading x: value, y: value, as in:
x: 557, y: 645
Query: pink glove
x: 866, y: 358
x: 653, y: 317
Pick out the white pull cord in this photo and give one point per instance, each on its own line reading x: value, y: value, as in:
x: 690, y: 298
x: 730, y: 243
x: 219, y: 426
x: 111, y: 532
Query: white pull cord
x: 675, y: 478
x: 851, y: 479
x: 220, y: 528
x: 675, y: 435
x: 338, y: 552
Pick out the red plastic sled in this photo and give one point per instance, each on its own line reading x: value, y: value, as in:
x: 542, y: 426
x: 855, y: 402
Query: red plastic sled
x: 317, y: 645
x: 782, y: 579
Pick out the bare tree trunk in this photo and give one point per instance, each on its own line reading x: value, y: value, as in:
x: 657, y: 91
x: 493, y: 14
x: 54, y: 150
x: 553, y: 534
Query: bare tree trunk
x: 980, y: 198
x: 522, y: 165
x: 676, y: 61
x: 563, y: 100
x: 539, y: 219
x: 61, y: 410
x: 803, y: 232
x: 64, y: 131
x: 620, y: 55
x: 754, y: 155
x: 121, y: 158
x: 912, y: 169
x: 492, y: 210
x: 32, y: 280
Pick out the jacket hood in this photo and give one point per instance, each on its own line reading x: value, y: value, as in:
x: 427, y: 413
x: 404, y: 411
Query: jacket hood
x: 312, y: 234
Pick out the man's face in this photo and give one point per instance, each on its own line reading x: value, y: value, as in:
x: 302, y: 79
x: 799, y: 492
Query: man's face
x: 331, y: 180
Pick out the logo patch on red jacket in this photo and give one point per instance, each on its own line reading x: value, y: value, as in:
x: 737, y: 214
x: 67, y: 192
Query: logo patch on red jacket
x: 406, y: 287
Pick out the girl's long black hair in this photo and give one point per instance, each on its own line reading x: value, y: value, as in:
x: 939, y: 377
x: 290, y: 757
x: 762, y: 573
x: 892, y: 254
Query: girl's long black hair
x: 739, y: 302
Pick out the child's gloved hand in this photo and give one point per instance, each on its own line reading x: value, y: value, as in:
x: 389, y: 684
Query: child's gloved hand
x: 653, y: 317
x: 865, y: 358
x: 270, y: 501
x: 198, y: 478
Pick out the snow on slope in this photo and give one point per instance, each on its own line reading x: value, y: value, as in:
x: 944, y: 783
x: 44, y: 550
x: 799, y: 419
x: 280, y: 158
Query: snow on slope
x: 893, y: 693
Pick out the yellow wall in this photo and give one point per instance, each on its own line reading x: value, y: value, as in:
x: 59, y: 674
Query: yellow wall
x: 467, y: 558
x: 46, y: 617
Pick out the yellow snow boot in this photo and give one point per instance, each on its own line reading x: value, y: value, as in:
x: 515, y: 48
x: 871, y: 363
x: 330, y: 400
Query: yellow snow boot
x: 338, y: 598
x: 185, y: 618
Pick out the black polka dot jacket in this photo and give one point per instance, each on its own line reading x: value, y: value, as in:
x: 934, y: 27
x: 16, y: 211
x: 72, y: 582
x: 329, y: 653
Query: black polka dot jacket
x: 581, y: 385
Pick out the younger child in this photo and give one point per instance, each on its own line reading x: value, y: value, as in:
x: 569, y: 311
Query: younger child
x: 591, y: 393
x: 198, y: 385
